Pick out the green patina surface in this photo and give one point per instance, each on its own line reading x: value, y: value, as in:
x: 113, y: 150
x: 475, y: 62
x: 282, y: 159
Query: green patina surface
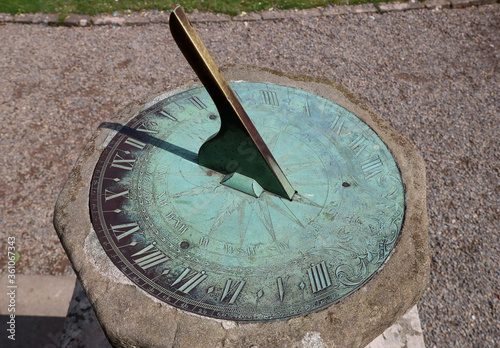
x: 177, y: 232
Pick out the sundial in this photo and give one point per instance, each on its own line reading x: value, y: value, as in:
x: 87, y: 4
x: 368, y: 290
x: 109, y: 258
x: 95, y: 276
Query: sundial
x: 253, y: 200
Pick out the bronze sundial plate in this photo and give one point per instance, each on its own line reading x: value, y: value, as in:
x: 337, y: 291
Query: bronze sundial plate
x: 133, y: 314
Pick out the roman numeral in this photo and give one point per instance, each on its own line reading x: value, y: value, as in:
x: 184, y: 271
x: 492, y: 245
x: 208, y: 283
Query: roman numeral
x: 337, y: 124
x: 228, y: 248
x: 269, y: 98
x: 319, y: 277
x: 162, y: 199
x: 109, y: 195
x: 237, y: 289
x: 251, y: 250
x: 195, y: 280
x: 149, y: 256
x: 135, y: 143
x: 124, y: 230
x: 197, y: 102
x: 204, y: 241
x: 306, y: 109
x: 167, y: 115
x: 120, y: 162
x: 281, y: 288
x: 178, y: 222
x: 358, y: 145
x: 142, y: 128
x: 372, y: 167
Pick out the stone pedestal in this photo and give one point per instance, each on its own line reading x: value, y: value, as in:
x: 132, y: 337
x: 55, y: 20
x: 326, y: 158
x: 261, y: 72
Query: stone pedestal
x: 131, y: 317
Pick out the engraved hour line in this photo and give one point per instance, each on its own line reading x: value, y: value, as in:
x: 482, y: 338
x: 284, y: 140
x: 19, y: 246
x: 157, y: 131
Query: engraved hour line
x: 154, y: 257
x: 191, y: 283
x: 358, y: 145
x: 371, y: 167
x: 227, y: 289
x: 124, y: 230
x: 270, y: 98
x: 167, y: 115
x: 197, y: 102
x: 319, y: 277
x: 109, y: 195
x: 136, y: 143
x: 120, y: 162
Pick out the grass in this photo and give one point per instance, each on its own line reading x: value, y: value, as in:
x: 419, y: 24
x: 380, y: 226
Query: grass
x: 91, y: 7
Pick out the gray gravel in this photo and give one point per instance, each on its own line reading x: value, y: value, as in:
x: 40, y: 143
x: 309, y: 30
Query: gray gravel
x: 434, y: 75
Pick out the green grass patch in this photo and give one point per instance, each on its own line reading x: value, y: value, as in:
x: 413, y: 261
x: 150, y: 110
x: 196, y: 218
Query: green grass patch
x: 91, y: 7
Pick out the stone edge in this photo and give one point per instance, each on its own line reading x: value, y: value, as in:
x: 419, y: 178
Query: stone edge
x: 145, y: 18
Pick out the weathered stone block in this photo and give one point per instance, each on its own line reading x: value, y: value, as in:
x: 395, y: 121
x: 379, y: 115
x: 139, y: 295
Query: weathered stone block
x: 282, y: 14
x: 364, y: 8
x: 484, y: 2
x: 24, y: 18
x: 136, y: 20
x: 431, y: 4
x: 6, y: 17
x: 310, y: 12
x: 461, y: 3
x: 45, y: 19
x: 251, y: 16
x: 400, y: 6
x: 335, y: 10
x: 78, y: 20
x: 160, y: 18
x: 108, y: 20
x: 198, y: 16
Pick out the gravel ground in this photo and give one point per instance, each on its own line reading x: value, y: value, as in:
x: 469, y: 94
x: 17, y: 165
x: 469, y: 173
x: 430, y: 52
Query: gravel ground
x: 434, y: 75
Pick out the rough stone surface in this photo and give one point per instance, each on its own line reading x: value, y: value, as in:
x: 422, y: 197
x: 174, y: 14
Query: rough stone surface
x: 199, y: 17
x: 432, y: 4
x: 45, y: 19
x: 310, y: 12
x: 24, y: 18
x: 353, y: 322
x: 275, y: 14
x: 108, y: 20
x: 400, y: 6
x: 6, y: 17
x: 364, y: 8
x: 136, y: 20
x: 78, y: 20
x: 335, y: 10
x: 281, y: 14
x: 159, y: 17
x: 461, y: 3
x: 251, y: 16
x: 484, y: 2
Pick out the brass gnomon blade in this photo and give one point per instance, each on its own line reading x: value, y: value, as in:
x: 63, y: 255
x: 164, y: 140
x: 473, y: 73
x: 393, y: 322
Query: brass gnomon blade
x: 237, y: 147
